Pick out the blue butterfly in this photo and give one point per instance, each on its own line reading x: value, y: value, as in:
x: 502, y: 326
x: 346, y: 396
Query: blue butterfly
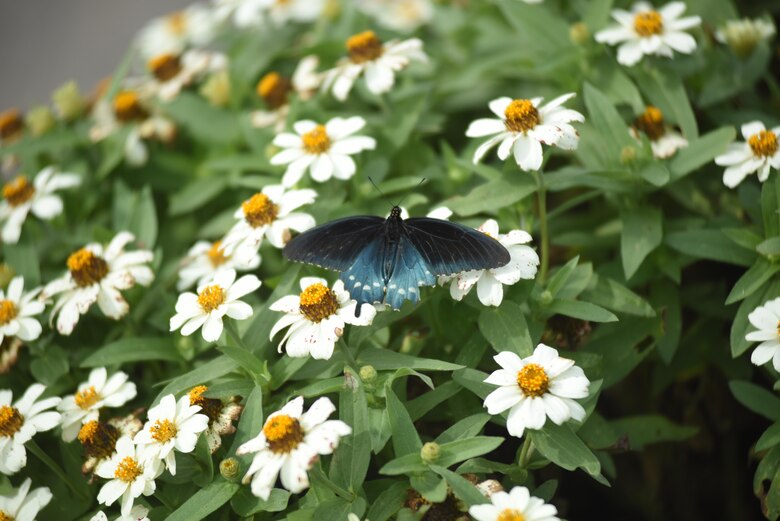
x: 388, y: 260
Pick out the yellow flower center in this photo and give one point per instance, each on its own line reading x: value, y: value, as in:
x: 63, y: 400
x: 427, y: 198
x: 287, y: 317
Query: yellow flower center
x: 521, y: 116
x: 127, y: 106
x: 364, y: 47
x: 196, y: 394
x: 163, y: 430
x: 216, y: 254
x: 259, y: 210
x: 86, y: 398
x: 177, y: 23
x: 165, y: 66
x: 211, y: 407
x: 211, y: 297
x: 316, y: 141
x: 11, y: 125
x: 510, y: 514
x: 18, y: 191
x: 99, y: 439
x: 283, y: 433
x: 11, y: 420
x: 317, y: 302
x: 763, y: 144
x: 88, y: 431
x: 648, y: 23
x: 273, y: 88
x: 86, y: 268
x: 128, y: 470
x: 8, y: 311
x: 532, y: 380
x: 651, y: 122
x: 5, y: 517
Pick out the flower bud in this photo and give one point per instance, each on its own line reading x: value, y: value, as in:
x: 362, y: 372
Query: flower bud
x: 39, y: 120
x: 742, y: 36
x: 430, y: 452
x: 368, y: 374
x: 628, y: 155
x: 545, y: 298
x: 68, y: 101
x: 229, y: 468
x: 579, y: 33
x: 217, y: 89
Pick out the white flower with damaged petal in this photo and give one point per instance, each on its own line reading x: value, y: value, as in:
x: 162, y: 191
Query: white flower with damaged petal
x: 268, y: 213
x: 97, y: 273
x: 173, y: 72
x: 22, y: 197
x: 759, y: 153
x: 536, y: 387
x: 171, y: 425
x: 766, y: 320
x: 317, y: 317
x: 399, y: 15
x: 523, y: 126
x: 648, y: 32
x: 20, y: 421
x: 137, y: 513
x: 22, y: 504
x: 214, y: 300
x: 289, y: 444
x: 378, y: 61
x: 129, y: 476
x: 175, y: 32
x: 98, y: 438
x: 206, y: 259
x: 516, y: 505
x: 17, y: 310
x: 221, y: 414
x: 275, y: 91
x: 322, y: 149
x: 523, y: 262
x: 742, y: 36
x: 97, y: 392
x: 665, y: 141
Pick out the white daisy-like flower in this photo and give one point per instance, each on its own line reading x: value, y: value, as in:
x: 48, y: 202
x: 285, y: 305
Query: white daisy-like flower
x: 316, y: 318
x: 171, y: 425
x: 290, y: 443
x: 323, y: 149
x: 442, y: 212
x: 523, y: 262
x: 647, y: 32
x: 213, y: 301
x: 97, y: 273
x: 205, y: 259
x: 379, y: 61
x: 665, y: 141
x: 252, y: 13
x: 399, y: 15
x: 523, y: 126
x: 268, y: 213
x: 516, y: 505
x: 137, y: 513
x: 536, y: 387
x: 742, y: 36
x: 275, y: 91
x: 22, y: 504
x: 174, y: 33
x: 173, y: 72
x: 22, y: 420
x: 129, y: 475
x: 97, y: 392
x: 766, y: 319
x: 759, y: 153
x: 221, y: 415
x: 17, y: 312
x: 21, y: 197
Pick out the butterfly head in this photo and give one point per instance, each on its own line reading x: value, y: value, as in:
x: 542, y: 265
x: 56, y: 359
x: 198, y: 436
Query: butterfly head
x: 395, y: 213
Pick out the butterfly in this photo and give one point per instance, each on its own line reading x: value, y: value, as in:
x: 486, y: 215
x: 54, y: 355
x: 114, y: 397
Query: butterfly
x: 388, y: 260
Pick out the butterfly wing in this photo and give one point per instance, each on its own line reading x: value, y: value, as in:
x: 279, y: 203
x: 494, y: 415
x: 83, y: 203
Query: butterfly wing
x: 448, y: 248
x: 363, y: 279
x: 410, y: 271
x: 335, y: 245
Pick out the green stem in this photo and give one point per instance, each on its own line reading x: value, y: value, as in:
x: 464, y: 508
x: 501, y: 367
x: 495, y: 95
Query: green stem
x: 319, y: 476
x: 348, y: 355
x: 541, y: 195
x: 46, y: 460
x: 232, y: 331
x: 525, y: 452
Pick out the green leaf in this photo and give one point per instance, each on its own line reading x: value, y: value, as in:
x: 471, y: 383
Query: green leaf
x: 466, y: 428
x: 23, y: 258
x: 648, y: 429
x: 422, y: 405
x: 505, y: 328
x: 206, y: 122
x: 388, y: 502
x: 665, y: 90
x: 404, y: 435
x: 769, y: 247
x: 701, y: 151
x: 245, y: 504
x: 581, y: 310
x: 350, y: 462
x: 406, y: 464
x: 430, y: 486
x: 143, y: 219
x: 606, y: 119
x: 642, y: 232
x: 491, y: 196
x: 559, y: 444
x: 655, y: 173
x: 561, y: 276
x: 251, y: 420
x: 461, y: 487
x: 753, y: 279
x: 51, y: 366
x: 196, y: 194
x: 474, y: 381
x: 205, y: 501
x: 207, y: 372
x: 461, y: 450
x: 133, y: 349
x: 709, y: 244
x: 257, y: 333
x: 244, y: 359
x: 769, y: 438
x: 614, y: 296
x: 384, y: 360
x: 770, y: 206
x: 756, y: 398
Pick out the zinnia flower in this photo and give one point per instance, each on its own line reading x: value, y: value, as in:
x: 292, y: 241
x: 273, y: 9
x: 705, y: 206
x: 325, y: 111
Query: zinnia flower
x: 759, y: 153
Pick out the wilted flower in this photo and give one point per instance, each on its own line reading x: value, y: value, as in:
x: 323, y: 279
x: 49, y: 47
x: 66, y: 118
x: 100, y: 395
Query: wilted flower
x: 23, y: 504
x: 137, y: 513
x: 275, y: 91
x: 99, y: 439
x: 759, y: 153
x: 516, y: 505
x: 206, y: 259
x: 766, y: 319
x: 17, y: 310
x: 129, y: 476
x: 173, y: 72
x: 664, y: 140
x: 11, y: 126
x: 742, y: 36
x: 221, y: 415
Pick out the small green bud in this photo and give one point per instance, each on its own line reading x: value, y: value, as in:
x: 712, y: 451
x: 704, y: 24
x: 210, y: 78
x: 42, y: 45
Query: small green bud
x: 368, y: 374
x: 40, y: 120
x: 229, y: 468
x: 217, y: 89
x: 68, y: 101
x: 186, y: 347
x: 579, y: 33
x: 430, y: 452
x: 628, y: 155
x: 6, y: 274
x: 546, y: 297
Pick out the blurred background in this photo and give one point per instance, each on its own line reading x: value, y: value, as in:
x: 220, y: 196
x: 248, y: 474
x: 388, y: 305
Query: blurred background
x: 46, y: 43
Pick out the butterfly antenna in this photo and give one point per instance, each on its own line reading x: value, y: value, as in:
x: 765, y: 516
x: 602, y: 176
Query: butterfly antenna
x: 377, y: 187
x: 404, y: 197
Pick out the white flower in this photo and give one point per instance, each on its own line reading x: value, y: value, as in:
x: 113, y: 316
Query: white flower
x: 523, y: 126
x: 399, y: 15
x: 137, y: 513
x: 664, y: 140
x: 759, y: 153
x: 171, y: 425
x: 20, y: 197
x: 175, y: 32
x: 251, y: 13
x: 97, y: 273
x: 766, y: 319
x: 205, y: 259
x: 367, y: 54
x: 269, y: 212
x: 221, y: 415
x: 289, y: 444
x: 129, y: 476
x: 173, y: 72
x: 742, y: 36
x: 517, y: 504
x: 275, y: 91
x: 317, y: 317
x: 523, y: 262
x: 536, y: 387
x: 97, y: 392
x: 17, y: 310
x: 324, y: 148
x: 645, y: 31
x: 23, y: 504
x: 20, y: 421
x: 212, y: 302
x: 442, y: 212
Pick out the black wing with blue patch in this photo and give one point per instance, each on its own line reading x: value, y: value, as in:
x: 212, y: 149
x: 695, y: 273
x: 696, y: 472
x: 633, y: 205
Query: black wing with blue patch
x: 410, y: 272
x: 364, y: 279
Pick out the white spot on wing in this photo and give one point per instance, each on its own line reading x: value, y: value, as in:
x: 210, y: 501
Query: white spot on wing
x: 358, y: 284
x: 402, y: 291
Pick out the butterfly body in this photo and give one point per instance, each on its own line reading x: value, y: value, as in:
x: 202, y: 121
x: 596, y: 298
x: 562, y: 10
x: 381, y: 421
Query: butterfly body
x: 388, y: 260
